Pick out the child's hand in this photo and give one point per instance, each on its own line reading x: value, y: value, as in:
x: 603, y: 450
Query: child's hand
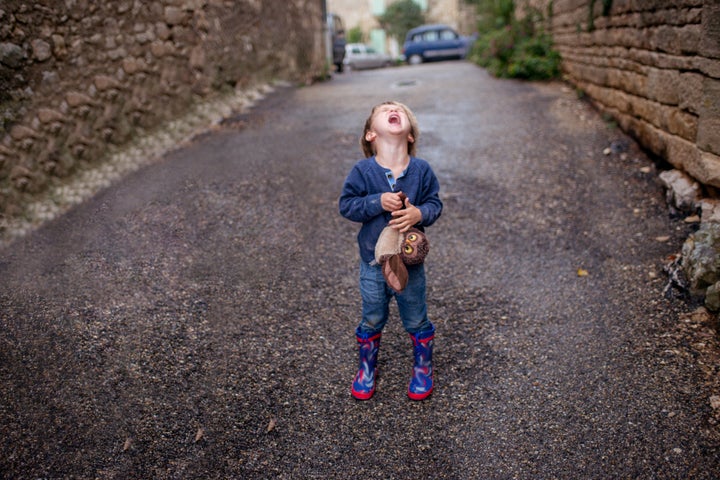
x: 406, y: 218
x: 391, y: 201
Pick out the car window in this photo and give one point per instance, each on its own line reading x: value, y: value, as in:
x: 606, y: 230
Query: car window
x: 448, y: 35
x: 356, y: 50
x: 370, y: 50
x: 431, y: 36
x: 417, y: 37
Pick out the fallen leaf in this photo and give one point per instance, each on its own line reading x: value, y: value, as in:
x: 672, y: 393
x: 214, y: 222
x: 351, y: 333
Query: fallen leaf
x: 645, y: 169
x: 664, y: 238
x: 607, y: 151
x: 581, y: 272
x: 692, y: 219
x: 271, y: 425
x: 199, y: 435
x: 127, y: 444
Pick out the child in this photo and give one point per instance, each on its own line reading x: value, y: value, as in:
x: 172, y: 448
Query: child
x: 372, y: 196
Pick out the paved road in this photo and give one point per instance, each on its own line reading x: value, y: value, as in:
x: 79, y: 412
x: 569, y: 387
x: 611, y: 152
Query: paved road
x: 196, y: 319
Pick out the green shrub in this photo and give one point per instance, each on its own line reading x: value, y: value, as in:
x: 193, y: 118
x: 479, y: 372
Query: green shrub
x: 534, y: 59
x: 355, y: 35
x: 517, y: 49
x: 401, y: 16
x: 494, y: 50
x: 493, y: 14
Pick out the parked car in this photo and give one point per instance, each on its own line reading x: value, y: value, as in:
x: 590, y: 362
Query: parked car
x: 435, y: 42
x: 359, y: 56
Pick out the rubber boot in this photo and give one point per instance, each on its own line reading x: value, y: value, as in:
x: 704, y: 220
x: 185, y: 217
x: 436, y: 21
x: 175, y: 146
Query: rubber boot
x: 421, y: 383
x: 363, y: 386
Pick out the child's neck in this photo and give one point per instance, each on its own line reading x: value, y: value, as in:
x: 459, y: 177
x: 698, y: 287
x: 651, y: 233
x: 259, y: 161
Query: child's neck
x: 396, y: 163
x: 395, y: 158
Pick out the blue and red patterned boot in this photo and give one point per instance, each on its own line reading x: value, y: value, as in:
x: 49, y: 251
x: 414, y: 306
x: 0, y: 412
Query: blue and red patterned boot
x: 421, y: 383
x: 363, y: 386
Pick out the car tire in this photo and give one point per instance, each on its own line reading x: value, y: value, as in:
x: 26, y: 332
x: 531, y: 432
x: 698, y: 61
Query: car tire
x: 415, y: 59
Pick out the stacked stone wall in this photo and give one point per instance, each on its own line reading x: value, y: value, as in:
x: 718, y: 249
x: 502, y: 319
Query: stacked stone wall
x: 654, y: 66
x: 79, y: 76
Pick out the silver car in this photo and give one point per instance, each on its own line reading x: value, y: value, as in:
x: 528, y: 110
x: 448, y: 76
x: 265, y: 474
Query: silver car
x: 359, y: 56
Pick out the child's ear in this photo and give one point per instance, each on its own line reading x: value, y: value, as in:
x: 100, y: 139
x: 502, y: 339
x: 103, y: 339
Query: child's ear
x: 370, y: 136
x: 411, y: 139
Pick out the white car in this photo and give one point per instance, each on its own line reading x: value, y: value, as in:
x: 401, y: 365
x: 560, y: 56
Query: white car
x: 359, y: 56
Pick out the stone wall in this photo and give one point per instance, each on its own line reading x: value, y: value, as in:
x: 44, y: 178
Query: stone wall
x: 654, y: 66
x: 80, y: 76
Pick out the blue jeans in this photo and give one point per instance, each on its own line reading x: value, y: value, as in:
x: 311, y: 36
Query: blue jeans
x: 376, y: 296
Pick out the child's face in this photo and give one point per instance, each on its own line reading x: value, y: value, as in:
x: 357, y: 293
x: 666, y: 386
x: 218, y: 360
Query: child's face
x: 390, y: 119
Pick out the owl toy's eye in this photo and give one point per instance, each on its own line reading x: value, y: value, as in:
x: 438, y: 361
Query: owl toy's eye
x: 412, y: 237
x: 408, y: 249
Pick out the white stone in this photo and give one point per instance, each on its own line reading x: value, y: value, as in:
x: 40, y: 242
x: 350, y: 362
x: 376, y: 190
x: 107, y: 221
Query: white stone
x: 682, y: 191
x: 710, y: 208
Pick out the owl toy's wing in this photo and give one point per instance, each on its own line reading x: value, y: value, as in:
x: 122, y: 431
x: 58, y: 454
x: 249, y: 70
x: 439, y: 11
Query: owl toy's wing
x: 387, y: 254
x: 395, y: 273
x: 388, y: 244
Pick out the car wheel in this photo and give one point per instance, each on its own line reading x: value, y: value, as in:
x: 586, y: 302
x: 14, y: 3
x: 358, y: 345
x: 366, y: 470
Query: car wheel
x: 415, y: 59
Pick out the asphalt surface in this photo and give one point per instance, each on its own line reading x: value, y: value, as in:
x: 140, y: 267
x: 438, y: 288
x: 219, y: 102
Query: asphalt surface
x: 196, y: 319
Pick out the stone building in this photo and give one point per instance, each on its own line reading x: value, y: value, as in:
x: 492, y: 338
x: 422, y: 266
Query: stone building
x: 362, y: 14
x: 654, y: 66
x: 79, y: 78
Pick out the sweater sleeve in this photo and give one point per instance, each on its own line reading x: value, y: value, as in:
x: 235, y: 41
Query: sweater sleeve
x: 356, y: 203
x: 430, y: 204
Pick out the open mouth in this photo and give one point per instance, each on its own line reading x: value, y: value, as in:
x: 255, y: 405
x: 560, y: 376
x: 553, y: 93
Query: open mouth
x: 394, y: 119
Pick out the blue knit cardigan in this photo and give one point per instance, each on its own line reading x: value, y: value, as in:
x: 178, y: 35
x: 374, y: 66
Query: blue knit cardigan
x: 367, y: 181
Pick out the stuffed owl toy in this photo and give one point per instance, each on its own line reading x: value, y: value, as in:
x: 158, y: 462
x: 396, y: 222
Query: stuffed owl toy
x: 395, y: 250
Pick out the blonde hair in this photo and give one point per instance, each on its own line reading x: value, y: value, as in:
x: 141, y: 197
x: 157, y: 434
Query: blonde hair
x: 367, y: 147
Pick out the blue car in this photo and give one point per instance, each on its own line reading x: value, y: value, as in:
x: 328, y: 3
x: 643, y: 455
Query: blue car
x: 434, y: 42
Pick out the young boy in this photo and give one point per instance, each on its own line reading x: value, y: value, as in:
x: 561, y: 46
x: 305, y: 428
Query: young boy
x: 371, y: 195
